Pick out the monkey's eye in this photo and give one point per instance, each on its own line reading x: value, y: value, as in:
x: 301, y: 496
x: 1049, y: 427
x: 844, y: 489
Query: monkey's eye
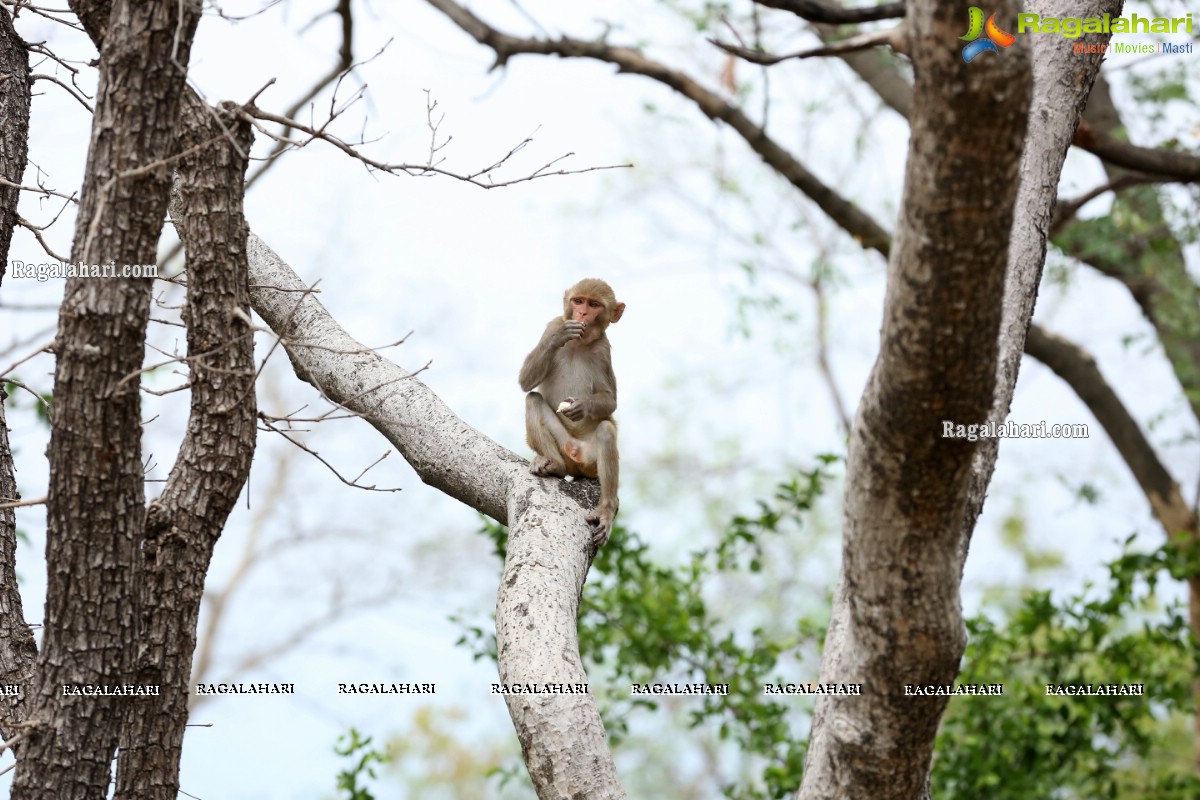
x: 594, y: 303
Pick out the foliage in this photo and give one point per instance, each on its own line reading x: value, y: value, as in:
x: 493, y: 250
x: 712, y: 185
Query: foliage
x: 645, y: 623
x: 1028, y: 744
x: 641, y: 622
x: 362, y: 757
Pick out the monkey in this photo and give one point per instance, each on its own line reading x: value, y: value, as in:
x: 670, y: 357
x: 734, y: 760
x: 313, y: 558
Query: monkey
x: 572, y: 394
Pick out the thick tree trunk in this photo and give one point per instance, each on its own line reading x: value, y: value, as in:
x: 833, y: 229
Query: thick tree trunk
x: 18, y: 651
x: 897, y: 618
x: 96, y: 503
x: 184, y: 523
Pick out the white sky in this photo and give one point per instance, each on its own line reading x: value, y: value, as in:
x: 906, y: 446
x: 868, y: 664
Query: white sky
x: 475, y: 275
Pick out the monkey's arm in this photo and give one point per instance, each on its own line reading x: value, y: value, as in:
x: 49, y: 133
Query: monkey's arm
x: 602, y: 402
x: 598, y: 406
x: 537, y: 364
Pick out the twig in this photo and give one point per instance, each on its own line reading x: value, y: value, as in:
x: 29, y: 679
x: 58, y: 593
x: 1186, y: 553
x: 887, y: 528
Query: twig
x: 44, y: 348
x: 318, y: 457
x: 896, y: 38
x: 39, y: 501
x: 69, y: 90
x: 253, y: 114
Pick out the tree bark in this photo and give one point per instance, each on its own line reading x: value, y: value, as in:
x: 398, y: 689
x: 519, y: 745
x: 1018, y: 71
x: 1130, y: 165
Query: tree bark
x: 18, y: 650
x: 95, y: 513
x: 14, y: 132
x: 897, y: 618
x: 184, y: 523
x: 1063, y: 81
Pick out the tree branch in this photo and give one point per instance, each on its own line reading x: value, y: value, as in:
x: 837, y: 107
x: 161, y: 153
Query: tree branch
x: 836, y: 15
x: 549, y: 545
x: 1078, y: 370
x: 1175, y: 165
x: 852, y: 219
x: 895, y: 38
x: 446, y: 452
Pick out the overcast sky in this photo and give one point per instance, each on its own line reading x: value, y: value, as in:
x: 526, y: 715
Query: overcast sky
x: 474, y: 275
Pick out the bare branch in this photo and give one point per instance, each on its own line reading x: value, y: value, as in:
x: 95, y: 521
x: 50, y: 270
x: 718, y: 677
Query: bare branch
x: 17, y: 6
x: 41, y: 399
x: 37, y: 501
x: 348, y: 481
x: 44, y: 348
x: 1079, y: 370
x: 481, y: 177
x: 68, y: 89
x: 1066, y: 209
x: 40, y: 190
x: 852, y: 219
x: 895, y: 38
x: 814, y: 11
x: 1179, y: 166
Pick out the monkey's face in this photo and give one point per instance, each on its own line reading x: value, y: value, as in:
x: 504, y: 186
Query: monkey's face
x: 588, y: 310
x: 593, y: 303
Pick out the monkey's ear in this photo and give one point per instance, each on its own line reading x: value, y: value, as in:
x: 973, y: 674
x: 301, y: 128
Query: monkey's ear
x: 617, y: 311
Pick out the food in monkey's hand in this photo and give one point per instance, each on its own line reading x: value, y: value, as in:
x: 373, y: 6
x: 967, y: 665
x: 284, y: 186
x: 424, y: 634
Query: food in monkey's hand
x: 563, y: 406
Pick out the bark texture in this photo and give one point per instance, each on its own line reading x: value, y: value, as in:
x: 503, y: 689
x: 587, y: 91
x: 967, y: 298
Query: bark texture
x: 897, y: 618
x: 562, y: 736
x: 537, y: 604
x: 96, y: 514
x: 184, y: 523
x: 18, y: 651
x: 1063, y: 81
x: 14, y: 131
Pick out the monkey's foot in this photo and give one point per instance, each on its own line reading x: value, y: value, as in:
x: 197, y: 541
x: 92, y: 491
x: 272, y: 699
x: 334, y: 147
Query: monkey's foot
x: 601, y: 520
x: 545, y: 468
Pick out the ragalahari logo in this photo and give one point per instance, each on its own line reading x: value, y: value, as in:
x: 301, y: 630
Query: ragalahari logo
x: 996, y: 38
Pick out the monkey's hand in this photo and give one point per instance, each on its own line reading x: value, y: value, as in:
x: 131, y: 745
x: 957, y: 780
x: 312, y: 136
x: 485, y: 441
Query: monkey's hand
x: 569, y: 331
x: 573, y: 409
x: 601, y: 520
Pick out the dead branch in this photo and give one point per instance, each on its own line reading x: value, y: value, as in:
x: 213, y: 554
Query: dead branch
x: 847, y: 215
x: 895, y: 38
x: 481, y: 177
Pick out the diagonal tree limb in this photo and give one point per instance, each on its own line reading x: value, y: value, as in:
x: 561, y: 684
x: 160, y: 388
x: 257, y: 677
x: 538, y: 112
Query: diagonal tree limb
x: 1078, y: 369
x: 833, y: 14
x: 1177, y: 165
x: 548, y: 554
